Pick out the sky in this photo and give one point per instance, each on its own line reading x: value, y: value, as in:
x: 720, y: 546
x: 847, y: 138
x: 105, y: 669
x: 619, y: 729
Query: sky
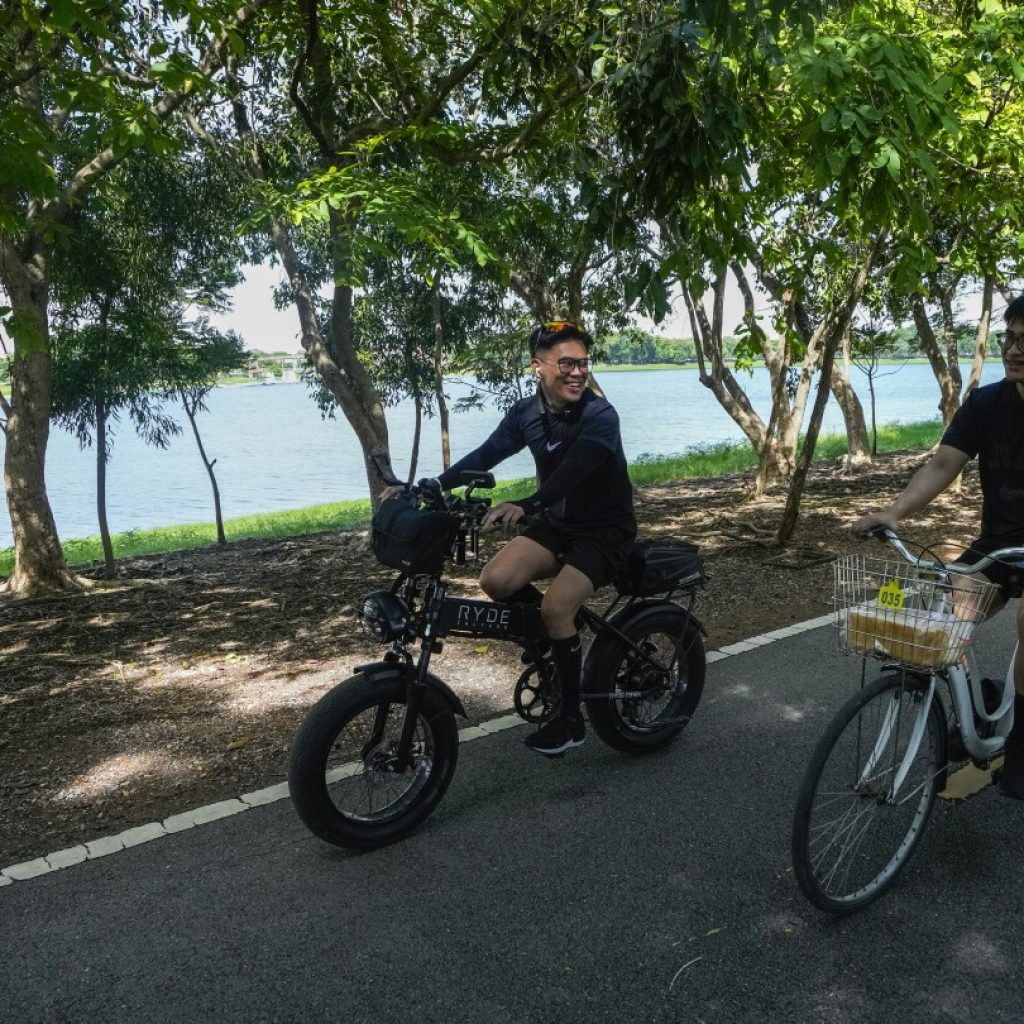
x: 253, y: 314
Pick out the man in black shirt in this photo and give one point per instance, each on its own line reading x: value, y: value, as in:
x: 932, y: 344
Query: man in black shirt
x: 582, y: 512
x: 989, y: 425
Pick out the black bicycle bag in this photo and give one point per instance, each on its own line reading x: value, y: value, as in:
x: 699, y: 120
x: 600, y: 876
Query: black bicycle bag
x: 411, y: 539
x: 658, y: 566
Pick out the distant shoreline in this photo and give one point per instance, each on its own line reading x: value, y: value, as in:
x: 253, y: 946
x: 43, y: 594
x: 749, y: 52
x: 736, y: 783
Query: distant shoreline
x: 706, y: 461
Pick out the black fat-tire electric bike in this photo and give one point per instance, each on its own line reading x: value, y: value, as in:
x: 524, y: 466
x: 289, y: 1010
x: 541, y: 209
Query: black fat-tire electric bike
x: 374, y: 756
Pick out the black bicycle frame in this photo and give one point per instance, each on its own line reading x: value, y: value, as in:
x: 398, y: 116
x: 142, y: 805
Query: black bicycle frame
x: 494, y: 620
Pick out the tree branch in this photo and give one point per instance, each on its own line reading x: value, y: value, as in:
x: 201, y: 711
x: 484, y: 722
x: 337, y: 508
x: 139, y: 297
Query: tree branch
x: 523, y: 137
x: 109, y: 158
x: 316, y: 128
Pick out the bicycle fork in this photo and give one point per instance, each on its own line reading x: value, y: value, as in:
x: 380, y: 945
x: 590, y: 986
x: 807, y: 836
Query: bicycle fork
x: 889, y: 732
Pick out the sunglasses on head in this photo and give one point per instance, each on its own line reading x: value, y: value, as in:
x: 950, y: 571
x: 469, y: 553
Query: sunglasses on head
x: 553, y: 329
x: 557, y: 326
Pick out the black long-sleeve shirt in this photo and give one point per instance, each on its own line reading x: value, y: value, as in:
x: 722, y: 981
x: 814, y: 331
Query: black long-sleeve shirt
x: 581, y: 466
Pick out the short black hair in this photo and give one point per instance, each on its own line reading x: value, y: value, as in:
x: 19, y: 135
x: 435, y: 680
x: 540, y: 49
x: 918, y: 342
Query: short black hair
x: 1015, y: 309
x: 547, y: 335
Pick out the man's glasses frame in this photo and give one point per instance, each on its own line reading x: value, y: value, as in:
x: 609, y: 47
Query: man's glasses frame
x: 566, y: 365
x: 1010, y: 339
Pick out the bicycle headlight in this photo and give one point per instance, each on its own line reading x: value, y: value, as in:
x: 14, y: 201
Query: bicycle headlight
x: 384, y: 616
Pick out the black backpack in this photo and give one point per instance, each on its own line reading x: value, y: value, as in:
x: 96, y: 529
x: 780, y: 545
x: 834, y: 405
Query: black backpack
x: 411, y: 539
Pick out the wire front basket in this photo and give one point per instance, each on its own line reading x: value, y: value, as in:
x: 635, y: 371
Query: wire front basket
x: 895, y: 611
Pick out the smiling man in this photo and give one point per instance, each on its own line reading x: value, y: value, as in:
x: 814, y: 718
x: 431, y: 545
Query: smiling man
x: 582, y: 520
x: 989, y: 425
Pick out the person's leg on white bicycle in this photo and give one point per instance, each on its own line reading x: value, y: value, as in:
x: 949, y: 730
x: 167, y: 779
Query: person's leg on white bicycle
x: 1012, y: 782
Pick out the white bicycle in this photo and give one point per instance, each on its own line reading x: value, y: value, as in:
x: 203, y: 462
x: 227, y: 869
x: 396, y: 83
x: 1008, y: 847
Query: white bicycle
x: 869, y: 787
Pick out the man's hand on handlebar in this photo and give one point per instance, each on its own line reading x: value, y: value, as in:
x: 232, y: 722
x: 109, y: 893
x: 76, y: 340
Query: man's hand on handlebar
x: 391, y: 490
x: 863, y: 527
x: 428, y: 486
x: 506, y: 514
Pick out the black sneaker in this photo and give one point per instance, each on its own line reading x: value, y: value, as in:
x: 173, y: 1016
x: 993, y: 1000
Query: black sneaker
x: 562, y: 733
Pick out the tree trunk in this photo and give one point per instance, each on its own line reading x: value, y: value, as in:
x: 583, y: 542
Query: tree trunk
x: 838, y: 326
x: 190, y: 408
x: 333, y: 355
x: 874, y: 413
x: 442, y: 402
x: 101, y: 487
x: 417, y: 432
x: 981, y: 337
x: 858, y: 449
x: 39, y: 564
x: 949, y: 386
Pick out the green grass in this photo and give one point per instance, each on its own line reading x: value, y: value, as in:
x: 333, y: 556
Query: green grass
x: 710, y: 460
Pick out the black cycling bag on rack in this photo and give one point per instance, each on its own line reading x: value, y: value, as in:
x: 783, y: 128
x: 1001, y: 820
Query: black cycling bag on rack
x: 411, y: 539
x: 659, y: 566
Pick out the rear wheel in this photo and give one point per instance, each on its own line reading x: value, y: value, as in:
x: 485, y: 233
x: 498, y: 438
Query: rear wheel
x: 867, y: 793
x: 345, y: 779
x: 651, y: 692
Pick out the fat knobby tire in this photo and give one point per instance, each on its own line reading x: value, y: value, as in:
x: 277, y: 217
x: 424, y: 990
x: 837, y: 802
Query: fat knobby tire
x: 312, y: 747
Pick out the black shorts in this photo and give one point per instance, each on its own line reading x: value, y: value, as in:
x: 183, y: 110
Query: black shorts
x: 1009, y: 579
x: 599, y: 553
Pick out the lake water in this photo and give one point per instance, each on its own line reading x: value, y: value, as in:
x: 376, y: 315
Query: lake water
x: 274, y: 451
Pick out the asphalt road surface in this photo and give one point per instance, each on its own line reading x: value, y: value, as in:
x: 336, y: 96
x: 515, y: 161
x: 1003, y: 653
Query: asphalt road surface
x: 596, y: 888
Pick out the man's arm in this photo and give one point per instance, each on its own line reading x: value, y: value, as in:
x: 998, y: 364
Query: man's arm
x: 926, y: 484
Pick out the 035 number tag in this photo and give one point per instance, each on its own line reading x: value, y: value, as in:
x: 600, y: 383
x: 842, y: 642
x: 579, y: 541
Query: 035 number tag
x: 892, y: 596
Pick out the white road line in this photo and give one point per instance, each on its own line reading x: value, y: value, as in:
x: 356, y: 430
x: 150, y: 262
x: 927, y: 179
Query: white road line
x: 107, y: 845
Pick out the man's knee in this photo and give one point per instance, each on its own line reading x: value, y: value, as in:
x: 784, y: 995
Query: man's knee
x: 557, y: 608
x: 495, y: 583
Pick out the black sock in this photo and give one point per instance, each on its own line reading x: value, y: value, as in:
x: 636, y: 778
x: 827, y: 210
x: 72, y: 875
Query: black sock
x: 525, y: 595
x: 568, y: 657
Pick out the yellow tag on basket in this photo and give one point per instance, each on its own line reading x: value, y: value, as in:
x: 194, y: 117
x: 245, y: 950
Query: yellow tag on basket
x: 892, y: 596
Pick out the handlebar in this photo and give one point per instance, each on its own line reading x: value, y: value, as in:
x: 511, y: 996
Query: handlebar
x: 883, y: 533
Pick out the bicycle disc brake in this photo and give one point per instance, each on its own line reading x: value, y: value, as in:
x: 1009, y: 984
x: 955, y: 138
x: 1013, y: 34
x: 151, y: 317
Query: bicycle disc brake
x: 534, y: 698
x: 640, y: 675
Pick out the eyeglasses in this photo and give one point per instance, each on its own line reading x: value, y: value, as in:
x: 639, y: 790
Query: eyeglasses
x: 567, y: 365
x: 1011, y: 339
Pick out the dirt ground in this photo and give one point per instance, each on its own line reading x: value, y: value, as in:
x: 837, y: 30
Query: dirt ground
x: 182, y: 681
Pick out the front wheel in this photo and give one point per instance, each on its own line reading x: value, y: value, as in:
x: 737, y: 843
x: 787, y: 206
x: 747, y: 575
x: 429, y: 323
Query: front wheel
x: 867, y: 793
x: 649, y: 694
x: 345, y: 778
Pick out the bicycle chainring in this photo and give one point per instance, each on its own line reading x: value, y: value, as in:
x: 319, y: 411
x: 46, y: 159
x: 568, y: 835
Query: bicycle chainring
x: 535, y: 697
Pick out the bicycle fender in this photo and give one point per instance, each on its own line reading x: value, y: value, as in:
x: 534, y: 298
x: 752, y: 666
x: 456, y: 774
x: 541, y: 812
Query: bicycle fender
x: 647, y: 603
x: 379, y: 671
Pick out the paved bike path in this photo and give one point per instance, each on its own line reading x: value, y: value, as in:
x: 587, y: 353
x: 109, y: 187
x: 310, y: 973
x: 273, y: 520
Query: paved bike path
x: 595, y: 888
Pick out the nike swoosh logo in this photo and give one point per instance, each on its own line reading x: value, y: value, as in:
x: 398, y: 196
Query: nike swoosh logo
x: 552, y: 447
x: 573, y: 650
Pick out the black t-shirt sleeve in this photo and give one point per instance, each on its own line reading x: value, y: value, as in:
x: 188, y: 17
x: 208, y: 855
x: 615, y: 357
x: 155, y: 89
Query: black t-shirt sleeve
x: 506, y: 440
x: 583, y: 458
x: 962, y: 432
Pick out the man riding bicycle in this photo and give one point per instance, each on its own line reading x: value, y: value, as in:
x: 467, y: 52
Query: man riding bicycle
x: 989, y: 425
x: 582, y: 512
